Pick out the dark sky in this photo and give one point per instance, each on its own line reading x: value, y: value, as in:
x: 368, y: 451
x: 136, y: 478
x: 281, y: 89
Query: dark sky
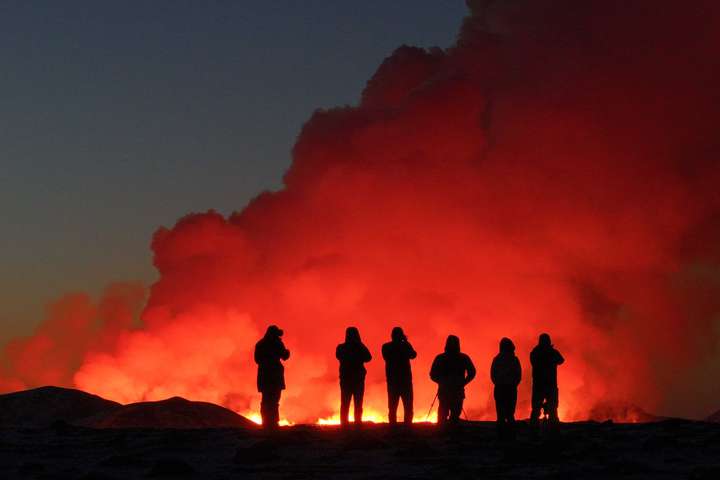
x: 119, y: 117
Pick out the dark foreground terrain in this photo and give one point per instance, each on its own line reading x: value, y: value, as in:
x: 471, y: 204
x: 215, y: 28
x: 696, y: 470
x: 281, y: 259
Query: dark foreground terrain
x: 671, y: 449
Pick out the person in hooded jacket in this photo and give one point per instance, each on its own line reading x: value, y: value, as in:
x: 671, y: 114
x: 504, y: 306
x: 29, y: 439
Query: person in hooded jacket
x: 451, y: 370
x: 545, y: 360
x: 269, y: 354
x: 397, y: 354
x: 506, y: 374
x: 353, y: 355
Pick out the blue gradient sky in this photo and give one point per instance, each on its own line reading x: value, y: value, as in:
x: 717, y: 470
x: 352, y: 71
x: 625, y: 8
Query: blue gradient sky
x: 118, y: 117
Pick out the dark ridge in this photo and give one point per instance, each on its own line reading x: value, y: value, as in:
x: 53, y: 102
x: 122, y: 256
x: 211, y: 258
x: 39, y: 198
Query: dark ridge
x: 175, y: 412
x: 714, y: 418
x: 40, y: 407
x: 621, y: 412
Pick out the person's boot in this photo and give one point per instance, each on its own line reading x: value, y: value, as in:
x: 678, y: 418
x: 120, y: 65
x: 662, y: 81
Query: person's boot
x: 392, y: 420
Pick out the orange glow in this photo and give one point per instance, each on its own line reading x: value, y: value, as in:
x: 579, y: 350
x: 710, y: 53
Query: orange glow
x: 370, y: 416
x: 562, y: 413
x: 256, y: 418
x: 511, y: 185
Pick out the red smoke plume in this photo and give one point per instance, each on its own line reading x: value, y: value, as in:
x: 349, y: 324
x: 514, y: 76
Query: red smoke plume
x: 73, y: 327
x: 556, y: 170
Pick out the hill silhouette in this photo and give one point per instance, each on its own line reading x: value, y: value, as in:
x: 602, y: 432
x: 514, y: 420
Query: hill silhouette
x: 43, y: 406
x: 714, y: 418
x: 622, y: 411
x: 175, y: 412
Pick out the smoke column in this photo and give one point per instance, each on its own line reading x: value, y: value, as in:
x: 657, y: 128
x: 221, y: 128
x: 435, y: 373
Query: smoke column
x: 555, y: 170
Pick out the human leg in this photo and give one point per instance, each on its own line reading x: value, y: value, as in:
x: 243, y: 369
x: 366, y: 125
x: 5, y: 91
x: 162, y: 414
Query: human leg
x: 500, y: 409
x: 505, y: 403
x: 538, y: 397
x: 552, y: 404
x: 456, y: 408
x: 270, y: 408
x: 510, y: 414
x: 358, y: 395
x: 407, y: 401
x: 345, y: 396
x: 393, y: 400
x: 443, y: 411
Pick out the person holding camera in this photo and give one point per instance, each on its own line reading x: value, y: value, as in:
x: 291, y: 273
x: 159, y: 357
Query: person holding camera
x: 545, y: 359
x: 397, y: 354
x: 353, y: 355
x: 506, y: 374
x: 270, y: 352
x: 452, y: 371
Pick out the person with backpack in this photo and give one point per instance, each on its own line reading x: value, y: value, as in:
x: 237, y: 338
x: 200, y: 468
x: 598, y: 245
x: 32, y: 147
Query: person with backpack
x: 451, y: 370
x: 506, y: 374
x: 270, y: 352
x: 397, y: 354
x: 353, y: 355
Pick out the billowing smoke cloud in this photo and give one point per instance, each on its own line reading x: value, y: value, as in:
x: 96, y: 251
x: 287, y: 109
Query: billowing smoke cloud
x: 74, y: 325
x: 556, y: 170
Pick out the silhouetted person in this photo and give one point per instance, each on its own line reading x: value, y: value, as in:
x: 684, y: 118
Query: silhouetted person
x: 506, y: 374
x: 353, y: 355
x: 451, y: 370
x: 269, y: 352
x: 397, y: 354
x: 545, y: 360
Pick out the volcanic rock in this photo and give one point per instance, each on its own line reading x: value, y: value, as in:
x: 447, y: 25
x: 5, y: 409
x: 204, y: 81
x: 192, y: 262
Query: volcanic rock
x: 174, y: 412
x: 577, y: 450
x: 714, y: 418
x: 171, y: 468
x: 45, y: 406
x: 623, y: 412
x: 260, y: 452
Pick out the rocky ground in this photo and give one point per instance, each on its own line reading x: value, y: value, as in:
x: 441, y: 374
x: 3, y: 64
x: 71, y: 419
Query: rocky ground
x: 671, y: 449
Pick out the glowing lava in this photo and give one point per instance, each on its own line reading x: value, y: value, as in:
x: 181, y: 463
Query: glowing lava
x: 370, y: 416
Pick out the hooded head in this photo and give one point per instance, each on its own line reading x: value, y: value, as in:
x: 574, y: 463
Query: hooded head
x: 452, y: 344
x: 274, y: 331
x: 544, y: 340
x: 507, y: 346
x: 352, y: 335
x: 397, y: 334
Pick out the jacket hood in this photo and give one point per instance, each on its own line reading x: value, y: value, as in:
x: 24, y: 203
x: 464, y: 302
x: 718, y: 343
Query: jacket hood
x: 274, y: 331
x: 507, y: 346
x: 452, y: 344
x: 352, y: 335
